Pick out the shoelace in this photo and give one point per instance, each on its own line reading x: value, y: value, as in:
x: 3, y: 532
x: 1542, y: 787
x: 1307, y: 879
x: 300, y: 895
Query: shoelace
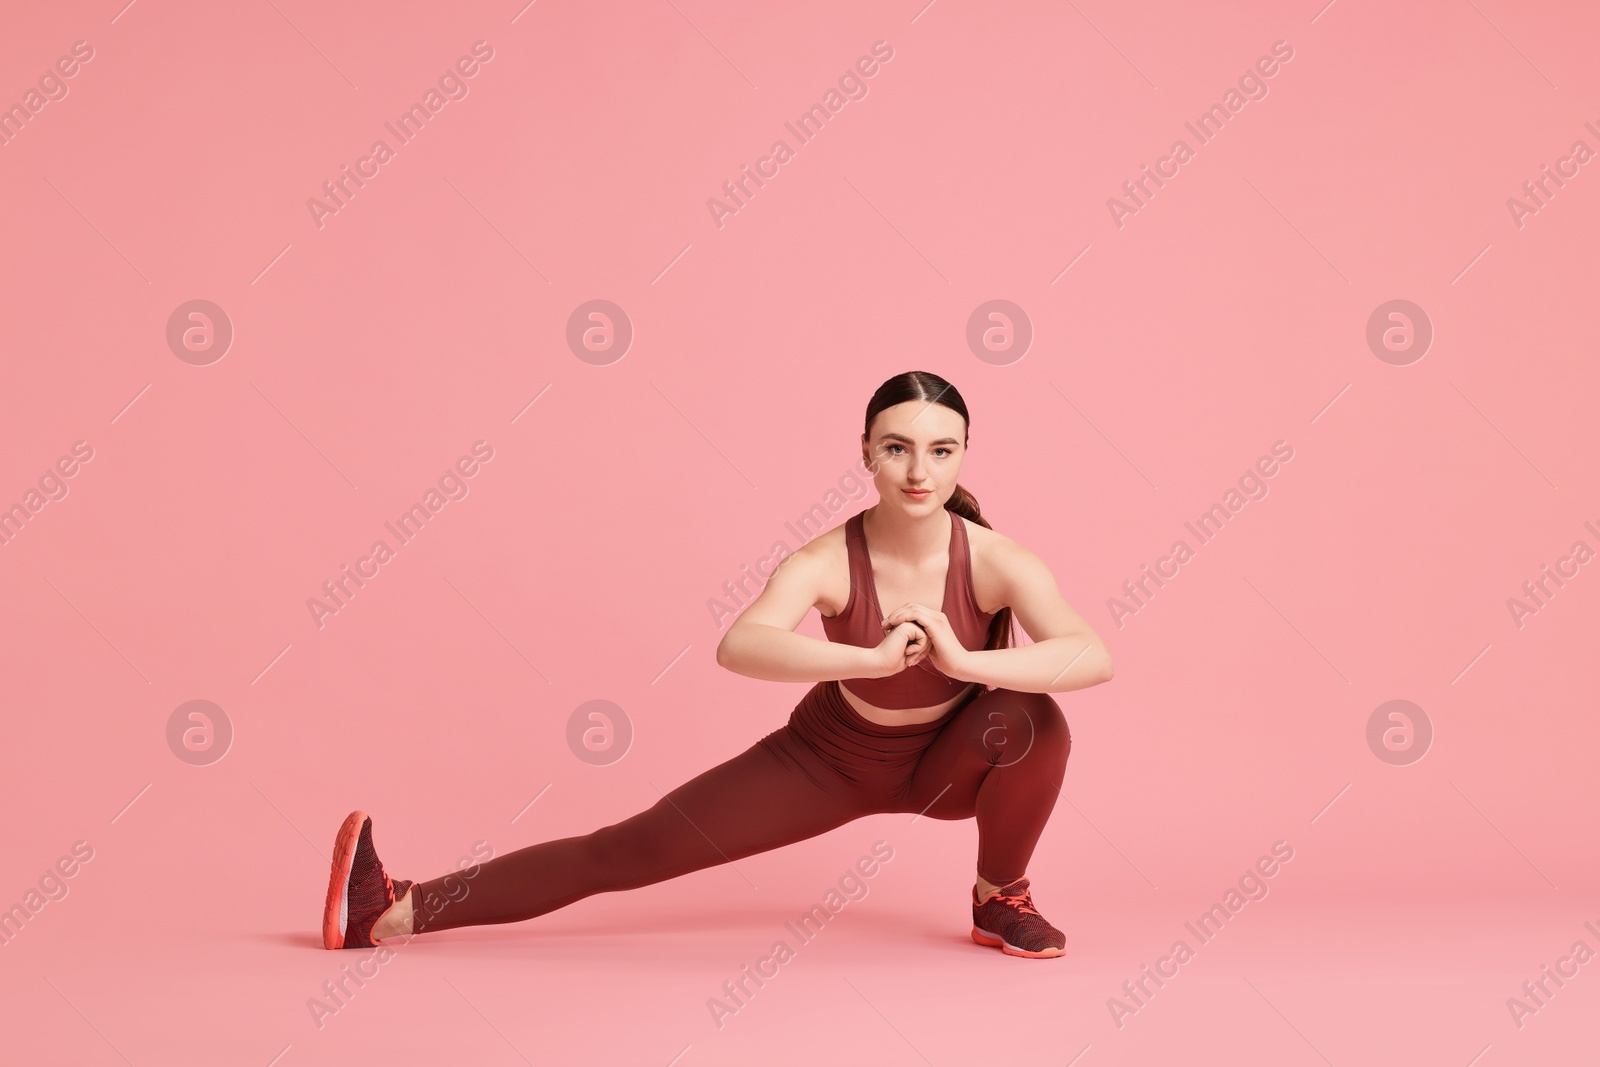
x: 388, y: 890
x: 1021, y: 902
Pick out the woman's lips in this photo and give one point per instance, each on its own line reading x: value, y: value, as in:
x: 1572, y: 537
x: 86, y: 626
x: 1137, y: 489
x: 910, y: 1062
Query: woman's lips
x: 916, y: 494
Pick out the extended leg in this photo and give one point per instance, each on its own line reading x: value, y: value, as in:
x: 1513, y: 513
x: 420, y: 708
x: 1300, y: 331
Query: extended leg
x: 756, y: 801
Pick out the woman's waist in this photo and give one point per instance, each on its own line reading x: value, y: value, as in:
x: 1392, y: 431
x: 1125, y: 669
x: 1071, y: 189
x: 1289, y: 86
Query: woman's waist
x: 862, y: 716
x: 905, y: 704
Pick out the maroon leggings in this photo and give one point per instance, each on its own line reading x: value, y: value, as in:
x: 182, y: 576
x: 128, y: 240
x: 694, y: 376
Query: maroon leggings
x: 1000, y: 756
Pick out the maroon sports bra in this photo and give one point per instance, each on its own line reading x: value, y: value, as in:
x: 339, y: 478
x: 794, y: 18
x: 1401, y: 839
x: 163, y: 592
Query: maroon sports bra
x: 861, y: 623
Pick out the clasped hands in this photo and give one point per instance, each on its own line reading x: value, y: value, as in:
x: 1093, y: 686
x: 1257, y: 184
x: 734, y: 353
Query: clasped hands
x: 929, y: 636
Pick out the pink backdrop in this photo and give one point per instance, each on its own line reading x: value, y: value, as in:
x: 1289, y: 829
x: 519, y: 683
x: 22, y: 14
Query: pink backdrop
x: 1174, y: 341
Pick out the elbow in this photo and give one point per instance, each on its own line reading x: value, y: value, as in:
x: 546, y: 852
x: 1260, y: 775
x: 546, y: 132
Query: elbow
x: 1107, y: 670
x: 725, y: 654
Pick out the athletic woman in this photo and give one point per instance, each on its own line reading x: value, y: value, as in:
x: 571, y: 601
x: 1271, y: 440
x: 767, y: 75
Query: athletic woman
x: 920, y: 705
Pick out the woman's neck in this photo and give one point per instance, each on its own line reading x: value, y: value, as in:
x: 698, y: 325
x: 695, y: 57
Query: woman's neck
x: 906, y: 537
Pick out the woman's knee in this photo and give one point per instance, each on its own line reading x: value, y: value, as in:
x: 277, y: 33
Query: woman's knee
x: 1011, y: 726
x: 652, y: 839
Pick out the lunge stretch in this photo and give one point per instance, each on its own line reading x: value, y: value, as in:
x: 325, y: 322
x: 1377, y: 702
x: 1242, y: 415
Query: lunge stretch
x: 995, y: 754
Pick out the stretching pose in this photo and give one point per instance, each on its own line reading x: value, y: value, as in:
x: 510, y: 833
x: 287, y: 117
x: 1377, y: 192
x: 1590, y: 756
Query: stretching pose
x: 922, y: 708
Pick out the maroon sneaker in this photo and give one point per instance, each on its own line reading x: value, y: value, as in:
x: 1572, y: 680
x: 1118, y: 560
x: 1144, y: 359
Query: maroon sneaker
x: 359, y: 891
x: 1007, y: 918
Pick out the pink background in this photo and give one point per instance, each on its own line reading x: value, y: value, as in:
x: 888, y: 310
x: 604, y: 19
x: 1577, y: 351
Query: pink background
x: 427, y: 314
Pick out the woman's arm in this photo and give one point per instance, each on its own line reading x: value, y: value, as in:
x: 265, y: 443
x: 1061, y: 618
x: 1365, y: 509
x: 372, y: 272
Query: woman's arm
x: 762, y: 643
x: 1066, y: 654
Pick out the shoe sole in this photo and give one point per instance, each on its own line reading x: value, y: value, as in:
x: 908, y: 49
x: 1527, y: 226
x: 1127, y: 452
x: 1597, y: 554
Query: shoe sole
x: 1009, y: 949
x: 335, y: 908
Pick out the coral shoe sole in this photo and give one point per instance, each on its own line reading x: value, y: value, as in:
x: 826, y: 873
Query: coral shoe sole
x: 983, y: 938
x: 336, y: 908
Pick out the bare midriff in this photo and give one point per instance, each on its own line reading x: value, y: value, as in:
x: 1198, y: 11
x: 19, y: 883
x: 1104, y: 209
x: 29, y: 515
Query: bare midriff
x: 903, y: 716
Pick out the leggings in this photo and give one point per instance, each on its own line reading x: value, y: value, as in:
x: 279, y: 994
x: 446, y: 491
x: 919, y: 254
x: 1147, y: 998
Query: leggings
x: 999, y: 756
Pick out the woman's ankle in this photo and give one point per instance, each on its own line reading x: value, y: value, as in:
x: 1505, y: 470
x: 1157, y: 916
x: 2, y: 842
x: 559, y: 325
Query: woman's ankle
x: 396, y: 921
x: 984, y: 888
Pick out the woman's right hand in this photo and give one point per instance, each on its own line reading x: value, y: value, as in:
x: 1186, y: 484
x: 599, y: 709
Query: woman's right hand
x: 903, y: 646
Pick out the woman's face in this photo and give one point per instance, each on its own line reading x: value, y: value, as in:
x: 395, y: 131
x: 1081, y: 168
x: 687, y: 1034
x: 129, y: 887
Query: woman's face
x: 915, y: 445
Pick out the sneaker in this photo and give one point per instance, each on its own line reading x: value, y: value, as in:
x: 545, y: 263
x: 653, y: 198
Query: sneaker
x: 359, y: 891
x: 1008, y: 920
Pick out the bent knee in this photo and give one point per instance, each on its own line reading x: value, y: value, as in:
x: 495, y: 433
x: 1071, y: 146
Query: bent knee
x: 1027, y: 722
x: 1049, y: 721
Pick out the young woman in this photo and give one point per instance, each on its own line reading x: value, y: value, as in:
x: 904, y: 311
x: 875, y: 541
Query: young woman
x: 920, y: 705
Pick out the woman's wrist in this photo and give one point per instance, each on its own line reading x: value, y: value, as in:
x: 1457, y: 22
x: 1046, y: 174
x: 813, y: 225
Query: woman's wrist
x: 869, y: 664
x: 962, y: 666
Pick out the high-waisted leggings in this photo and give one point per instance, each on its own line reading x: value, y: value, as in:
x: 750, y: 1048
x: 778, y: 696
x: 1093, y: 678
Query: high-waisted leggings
x: 999, y: 756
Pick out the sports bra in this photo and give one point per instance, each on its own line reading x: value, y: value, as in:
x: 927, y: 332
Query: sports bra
x: 861, y: 623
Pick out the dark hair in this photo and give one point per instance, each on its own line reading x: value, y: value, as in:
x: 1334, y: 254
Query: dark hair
x: 930, y: 388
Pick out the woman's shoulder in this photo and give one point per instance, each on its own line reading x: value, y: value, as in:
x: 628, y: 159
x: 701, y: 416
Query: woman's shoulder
x: 817, y: 558
x: 999, y: 562
x: 993, y: 543
x: 826, y: 544
x: 826, y: 557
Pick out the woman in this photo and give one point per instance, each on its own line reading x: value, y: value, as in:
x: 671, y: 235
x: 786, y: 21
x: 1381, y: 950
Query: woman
x: 925, y: 708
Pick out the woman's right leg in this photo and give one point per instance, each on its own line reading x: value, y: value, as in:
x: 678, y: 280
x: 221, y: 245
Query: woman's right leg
x: 774, y: 793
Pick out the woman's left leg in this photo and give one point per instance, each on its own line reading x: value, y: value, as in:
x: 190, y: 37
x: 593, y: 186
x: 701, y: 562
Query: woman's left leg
x: 1001, y: 758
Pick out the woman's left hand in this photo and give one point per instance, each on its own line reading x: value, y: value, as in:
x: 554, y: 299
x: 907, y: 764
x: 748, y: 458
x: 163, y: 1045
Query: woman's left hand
x: 945, y: 649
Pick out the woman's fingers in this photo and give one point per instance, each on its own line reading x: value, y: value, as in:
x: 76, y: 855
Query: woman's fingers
x: 898, y: 615
x: 916, y: 645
